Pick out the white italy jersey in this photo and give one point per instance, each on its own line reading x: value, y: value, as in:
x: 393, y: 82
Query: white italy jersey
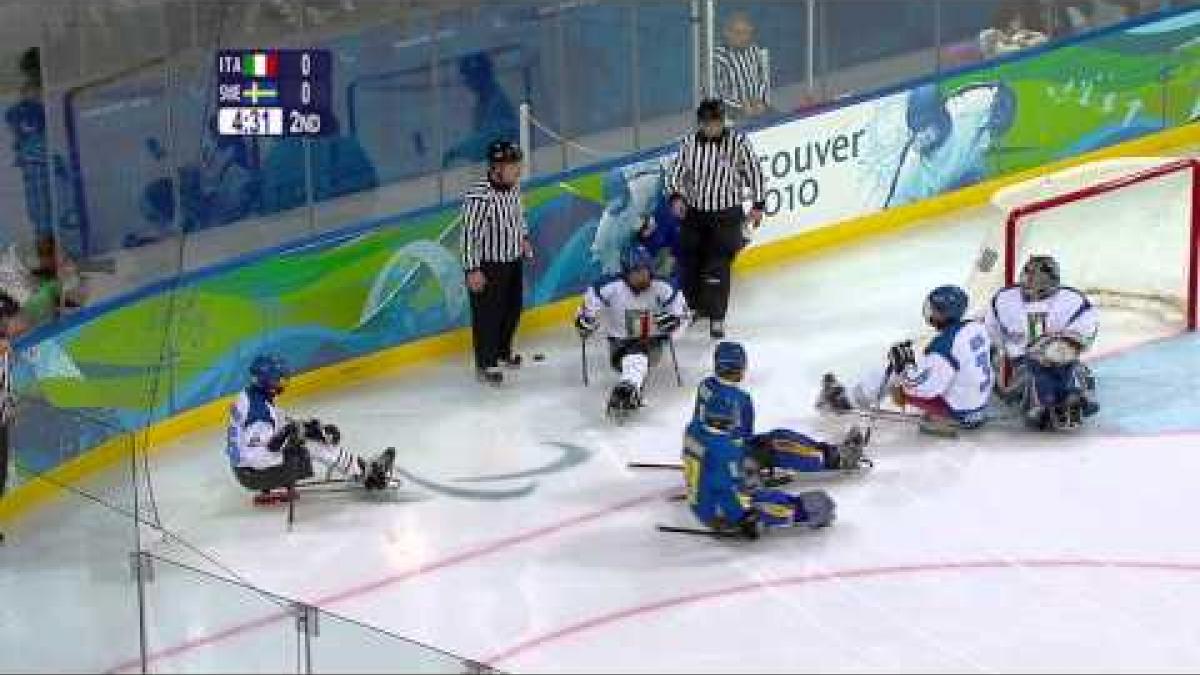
x: 625, y: 314
x: 1017, y: 324
x: 956, y: 366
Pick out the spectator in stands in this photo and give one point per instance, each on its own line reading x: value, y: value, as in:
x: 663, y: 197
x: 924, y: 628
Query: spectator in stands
x: 26, y: 120
x: 57, y: 277
x: 493, y: 115
x: 740, y: 70
x: 43, y: 290
x: 1078, y: 16
x: 157, y: 203
x: 222, y: 185
x: 1018, y: 25
x: 340, y: 167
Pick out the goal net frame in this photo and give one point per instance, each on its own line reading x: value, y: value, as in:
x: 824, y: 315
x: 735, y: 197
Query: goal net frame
x: 1018, y: 215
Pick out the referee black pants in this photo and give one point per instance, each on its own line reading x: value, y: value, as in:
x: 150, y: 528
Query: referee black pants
x: 496, y: 311
x: 708, y: 242
x: 4, y: 456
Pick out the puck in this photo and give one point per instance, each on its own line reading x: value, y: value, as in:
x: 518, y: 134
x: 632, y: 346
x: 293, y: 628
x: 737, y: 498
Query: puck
x: 539, y: 357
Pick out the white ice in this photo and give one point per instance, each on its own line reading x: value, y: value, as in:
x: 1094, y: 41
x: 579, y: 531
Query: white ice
x: 1000, y: 551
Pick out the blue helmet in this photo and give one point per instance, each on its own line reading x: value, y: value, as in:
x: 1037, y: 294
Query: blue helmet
x: 729, y: 359
x: 945, y: 305
x: 720, y: 412
x: 267, y: 372
x: 1040, y: 277
x: 636, y: 257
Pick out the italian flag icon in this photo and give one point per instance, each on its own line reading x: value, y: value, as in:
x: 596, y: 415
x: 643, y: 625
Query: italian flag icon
x: 260, y: 64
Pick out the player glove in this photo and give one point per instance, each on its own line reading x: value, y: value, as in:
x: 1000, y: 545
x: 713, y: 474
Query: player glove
x: 284, y: 436
x: 313, y: 431
x: 333, y: 435
x: 585, y: 324
x: 901, y: 356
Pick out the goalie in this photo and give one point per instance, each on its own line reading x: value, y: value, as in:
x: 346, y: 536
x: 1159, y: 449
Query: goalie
x: 1043, y: 327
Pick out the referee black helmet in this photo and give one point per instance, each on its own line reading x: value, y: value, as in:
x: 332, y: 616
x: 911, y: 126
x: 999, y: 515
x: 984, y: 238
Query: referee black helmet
x: 503, y: 151
x: 710, y: 110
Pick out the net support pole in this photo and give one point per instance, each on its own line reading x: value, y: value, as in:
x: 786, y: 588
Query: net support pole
x: 526, y: 137
x: 710, y: 29
x: 697, y: 50
x: 811, y: 56
x: 1010, y: 247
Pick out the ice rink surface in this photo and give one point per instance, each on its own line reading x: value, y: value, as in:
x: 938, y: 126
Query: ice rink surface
x: 522, y: 540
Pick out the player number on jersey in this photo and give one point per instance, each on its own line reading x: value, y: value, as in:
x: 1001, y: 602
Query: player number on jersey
x: 691, y: 477
x: 983, y: 361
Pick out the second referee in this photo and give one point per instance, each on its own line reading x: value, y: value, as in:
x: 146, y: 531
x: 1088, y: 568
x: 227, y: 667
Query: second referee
x: 495, y: 242
x: 714, y: 168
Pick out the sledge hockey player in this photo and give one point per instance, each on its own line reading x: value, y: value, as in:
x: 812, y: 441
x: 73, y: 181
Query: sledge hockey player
x: 724, y: 495
x: 659, y: 233
x: 1042, y: 327
x: 950, y: 381
x: 780, y: 448
x: 637, y: 313
x: 269, y: 451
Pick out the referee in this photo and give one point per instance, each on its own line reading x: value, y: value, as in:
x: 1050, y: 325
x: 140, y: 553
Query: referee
x: 495, y: 242
x: 740, y: 70
x: 10, y: 324
x: 714, y: 168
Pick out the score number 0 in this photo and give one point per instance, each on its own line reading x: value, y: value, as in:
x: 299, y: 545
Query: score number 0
x: 300, y: 123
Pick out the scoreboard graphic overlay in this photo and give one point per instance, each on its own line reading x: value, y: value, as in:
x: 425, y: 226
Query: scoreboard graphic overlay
x: 274, y: 92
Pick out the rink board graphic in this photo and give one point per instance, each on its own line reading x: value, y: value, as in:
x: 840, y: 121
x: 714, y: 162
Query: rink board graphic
x: 389, y: 291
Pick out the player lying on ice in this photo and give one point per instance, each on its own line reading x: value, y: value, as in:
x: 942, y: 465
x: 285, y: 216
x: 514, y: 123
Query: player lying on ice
x: 637, y: 313
x: 778, y: 449
x: 1043, y: 327
x: 269, y: 451
x: 723, y: 492
x: 950, y: 381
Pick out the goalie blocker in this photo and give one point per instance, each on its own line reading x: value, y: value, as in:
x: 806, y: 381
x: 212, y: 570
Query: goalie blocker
x: 1043, y: 328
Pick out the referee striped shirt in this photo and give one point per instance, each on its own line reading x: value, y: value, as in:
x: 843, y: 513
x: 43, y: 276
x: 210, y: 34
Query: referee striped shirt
x: 714, y: 174
x: 493, y: 224
x: 741, y: 75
